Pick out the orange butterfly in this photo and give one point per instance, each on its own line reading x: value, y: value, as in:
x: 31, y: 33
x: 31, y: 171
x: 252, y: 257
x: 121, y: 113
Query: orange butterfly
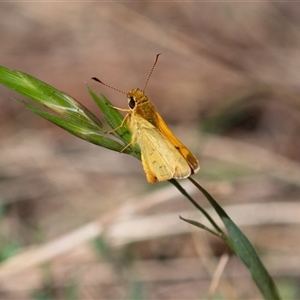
x: 163, y: 155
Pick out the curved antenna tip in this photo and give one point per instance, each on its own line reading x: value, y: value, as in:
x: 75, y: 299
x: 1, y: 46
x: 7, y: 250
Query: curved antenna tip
x: 96, y: 79
x: 151, y: 71
x: 111, y: 87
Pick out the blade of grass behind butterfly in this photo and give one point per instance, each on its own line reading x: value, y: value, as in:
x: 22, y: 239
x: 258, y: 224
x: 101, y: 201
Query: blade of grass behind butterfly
x: 87, y: 132
x: 244, y: 250
x: 55, y: 100
x: 44, y: 94
x: 113, y: 117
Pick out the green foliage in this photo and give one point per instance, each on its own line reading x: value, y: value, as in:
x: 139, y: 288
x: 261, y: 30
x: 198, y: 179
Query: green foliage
x: 242, y: 247
x: 8, y: 249
x: 137, y: 291
x: 102, y: 248
x: 68, y: 113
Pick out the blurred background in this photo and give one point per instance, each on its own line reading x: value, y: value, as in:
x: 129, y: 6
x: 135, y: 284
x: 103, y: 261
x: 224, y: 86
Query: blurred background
x: 81, y: 222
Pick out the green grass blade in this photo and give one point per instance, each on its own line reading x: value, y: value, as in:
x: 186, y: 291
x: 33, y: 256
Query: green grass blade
x: 69, y: 113
x: 46, y: 95
x: 203, y: 211
x: 199, y: 225
x: 112, y: 116
x: 244, y: 250
x: 88, y: 133
x: 115, y: 119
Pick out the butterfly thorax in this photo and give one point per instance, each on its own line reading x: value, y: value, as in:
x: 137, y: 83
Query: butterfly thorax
x: 140, y: 105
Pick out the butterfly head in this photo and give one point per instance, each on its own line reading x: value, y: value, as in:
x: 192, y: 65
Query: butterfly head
x: 136, y: 97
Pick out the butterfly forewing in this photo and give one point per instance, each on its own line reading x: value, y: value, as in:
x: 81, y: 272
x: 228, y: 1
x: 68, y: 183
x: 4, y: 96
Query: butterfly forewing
x: 186, y: 153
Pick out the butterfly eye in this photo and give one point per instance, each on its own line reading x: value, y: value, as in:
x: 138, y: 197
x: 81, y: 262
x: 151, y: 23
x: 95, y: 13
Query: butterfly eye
x: 131, y: 102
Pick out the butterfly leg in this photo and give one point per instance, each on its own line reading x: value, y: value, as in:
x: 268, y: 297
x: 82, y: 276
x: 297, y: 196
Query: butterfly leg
x: 127, y: 146
x: 118, y: 108
x: 121, y: 125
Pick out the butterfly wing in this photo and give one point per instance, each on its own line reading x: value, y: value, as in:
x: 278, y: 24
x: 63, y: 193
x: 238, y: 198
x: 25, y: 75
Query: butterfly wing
x: 161, y: 159
x: 186, y: 153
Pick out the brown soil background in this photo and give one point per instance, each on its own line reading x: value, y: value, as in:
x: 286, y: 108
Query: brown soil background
x: 227, y: 83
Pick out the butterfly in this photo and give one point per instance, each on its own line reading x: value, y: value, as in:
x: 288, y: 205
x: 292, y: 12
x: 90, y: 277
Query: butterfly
x: 163, y: 156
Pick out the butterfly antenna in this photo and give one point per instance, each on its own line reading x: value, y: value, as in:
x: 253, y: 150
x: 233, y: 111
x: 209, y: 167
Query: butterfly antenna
x: 155, y: 61
x: 111, y: 87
